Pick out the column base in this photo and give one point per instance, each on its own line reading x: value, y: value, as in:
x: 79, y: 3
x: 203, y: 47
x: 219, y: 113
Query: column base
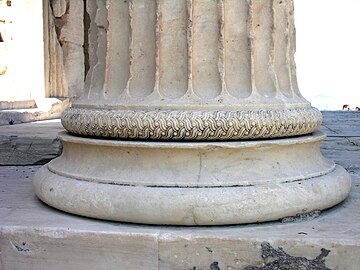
x: 188, y: 183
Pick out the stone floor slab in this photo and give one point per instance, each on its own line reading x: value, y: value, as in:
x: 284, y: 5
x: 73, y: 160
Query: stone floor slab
x: 30, y: 143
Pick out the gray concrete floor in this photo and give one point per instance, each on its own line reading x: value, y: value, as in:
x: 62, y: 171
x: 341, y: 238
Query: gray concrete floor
x: 35, y: 236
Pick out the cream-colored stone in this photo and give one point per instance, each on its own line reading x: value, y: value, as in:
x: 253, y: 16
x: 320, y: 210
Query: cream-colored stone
x: 180, y: 59
x: 58, y: 7
x: 17, y: 104
x: 186, y: 184
x: 167, y: 164
x: 64, y: 48
x: 74, y: 68
x: 222, y: 205
x: 109, y: 251
x: 73, y: 29
x: 57, y: 80
x: 35, y: 236
x: 191, y: 71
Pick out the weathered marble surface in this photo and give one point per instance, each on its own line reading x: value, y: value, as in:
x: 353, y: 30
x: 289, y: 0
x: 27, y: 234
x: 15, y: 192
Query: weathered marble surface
x: 342, y: 129
x: 44, y: 109
x: 343, y: 142
x: 35, y: 236
x: 191, y: 70
x: 64, y: 51
x: 31, y: 143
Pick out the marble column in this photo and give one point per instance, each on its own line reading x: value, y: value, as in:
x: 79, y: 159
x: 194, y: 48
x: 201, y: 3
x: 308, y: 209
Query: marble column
x: 191, y: 115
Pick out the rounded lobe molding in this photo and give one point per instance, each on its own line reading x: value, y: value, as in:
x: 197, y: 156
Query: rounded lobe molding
x: 191, y: 206
x: 191, y: 164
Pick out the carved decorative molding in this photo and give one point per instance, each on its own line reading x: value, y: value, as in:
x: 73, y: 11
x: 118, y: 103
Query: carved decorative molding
x: 191, y: 125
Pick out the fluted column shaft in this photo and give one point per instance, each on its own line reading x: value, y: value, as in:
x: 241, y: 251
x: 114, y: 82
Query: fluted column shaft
x: 185, y: 69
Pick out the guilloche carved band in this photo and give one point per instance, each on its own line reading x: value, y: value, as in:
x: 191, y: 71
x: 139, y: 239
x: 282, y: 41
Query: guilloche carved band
x: 191, y: 125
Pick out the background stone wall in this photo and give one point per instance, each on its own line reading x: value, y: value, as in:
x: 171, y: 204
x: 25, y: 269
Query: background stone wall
x: 64, y: 51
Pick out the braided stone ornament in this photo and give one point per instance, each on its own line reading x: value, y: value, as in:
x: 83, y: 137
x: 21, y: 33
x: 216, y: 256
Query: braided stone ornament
x: 191, y: 125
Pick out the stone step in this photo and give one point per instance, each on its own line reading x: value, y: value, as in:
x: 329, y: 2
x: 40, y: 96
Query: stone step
x: 17, y: 104
x: 35, y: 236
x: 30, y: 143
x: 49, y: 108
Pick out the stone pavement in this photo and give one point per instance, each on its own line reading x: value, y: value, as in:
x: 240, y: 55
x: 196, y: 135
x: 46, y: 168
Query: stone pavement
x: 30, y: 143
x: 343, y: 139
x: 35, y: 236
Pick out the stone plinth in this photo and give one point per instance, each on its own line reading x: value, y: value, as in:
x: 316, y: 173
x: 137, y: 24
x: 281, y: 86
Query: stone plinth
x: 190, y: 83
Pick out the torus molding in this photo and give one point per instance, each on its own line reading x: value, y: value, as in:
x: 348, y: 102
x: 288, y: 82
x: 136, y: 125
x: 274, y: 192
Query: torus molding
x: 191, y: 125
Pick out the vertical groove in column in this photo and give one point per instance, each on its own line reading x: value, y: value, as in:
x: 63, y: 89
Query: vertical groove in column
x: 118, y: 56
x: 98, y: 39
x: 157, y: 46
x: 250, y: 33
x: 262, y: 31
x: 221, y: 44
x: 281, y: 47
x: 142, y: 48
x: 292, y: 49
x: 206, y: 32
x: 91, y: 36
x: 237, y: 49
x: 189, y: 43
x: 273, y: 57
x: 173, y: 50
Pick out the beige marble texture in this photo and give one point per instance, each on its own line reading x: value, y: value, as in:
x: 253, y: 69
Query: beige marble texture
x: 64, y: 51
x: 181, y: 100
x: 35, y: 236
x: 204, y: 62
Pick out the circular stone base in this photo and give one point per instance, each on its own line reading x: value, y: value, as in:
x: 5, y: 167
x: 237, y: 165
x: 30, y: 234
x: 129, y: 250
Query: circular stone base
x: 191, y: 183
